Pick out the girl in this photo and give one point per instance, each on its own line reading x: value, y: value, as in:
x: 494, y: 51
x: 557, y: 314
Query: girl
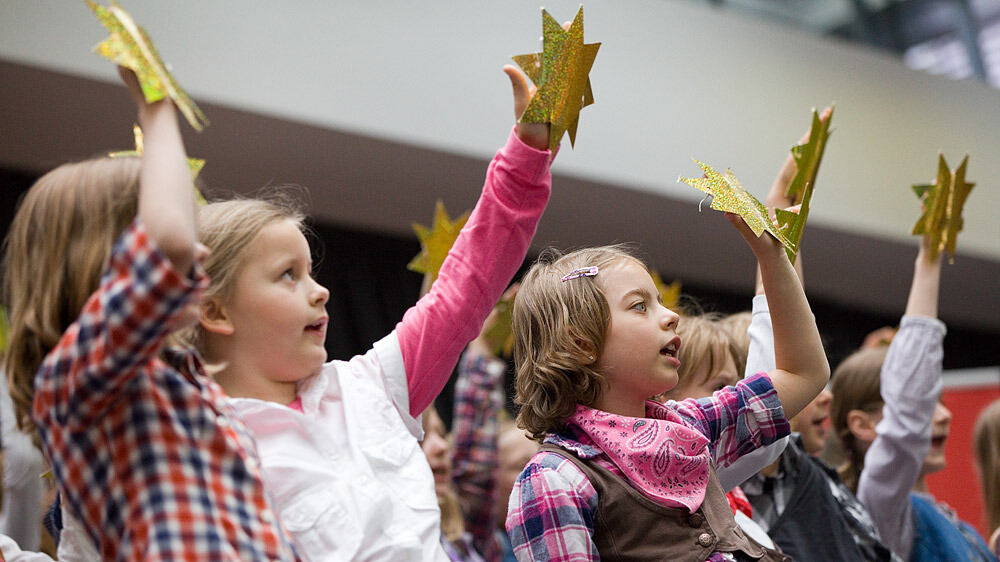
x: 986, y: 439
x: 339, y: 441
x: 887, y: 414
x: 620, y: 476
x: 145, y: 451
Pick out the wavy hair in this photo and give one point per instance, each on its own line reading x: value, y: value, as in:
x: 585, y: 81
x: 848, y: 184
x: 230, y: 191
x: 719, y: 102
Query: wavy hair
x: 56, y: 250
x: 559, y: 330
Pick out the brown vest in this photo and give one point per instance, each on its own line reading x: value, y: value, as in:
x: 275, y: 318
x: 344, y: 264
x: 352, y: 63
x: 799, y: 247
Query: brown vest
x: 630, y: 526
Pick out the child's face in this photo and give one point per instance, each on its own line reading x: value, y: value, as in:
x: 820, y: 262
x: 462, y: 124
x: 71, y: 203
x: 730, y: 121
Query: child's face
x: 812, y: 423
x: 437, y: 449
x: 277, y: 310
x: 639, y: 358
x: 940, y: 426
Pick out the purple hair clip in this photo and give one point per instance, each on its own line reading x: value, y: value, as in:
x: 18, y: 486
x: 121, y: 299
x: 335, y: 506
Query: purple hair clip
x: 580, y: 272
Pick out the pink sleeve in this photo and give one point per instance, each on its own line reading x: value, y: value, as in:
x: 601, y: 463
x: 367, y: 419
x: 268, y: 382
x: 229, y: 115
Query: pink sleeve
x: 479, y: 267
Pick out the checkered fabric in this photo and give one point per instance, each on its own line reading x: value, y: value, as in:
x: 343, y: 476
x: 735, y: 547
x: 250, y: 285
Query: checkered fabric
x: 149, y: 458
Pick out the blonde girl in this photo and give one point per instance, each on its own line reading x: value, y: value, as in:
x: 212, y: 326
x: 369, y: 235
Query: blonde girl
x: 339, y: 440
x: 620, y: 476
x: 101, y: 266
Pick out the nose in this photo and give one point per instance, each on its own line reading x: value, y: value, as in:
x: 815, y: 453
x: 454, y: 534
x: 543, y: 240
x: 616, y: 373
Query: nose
x: 942, y: 415
x: 668, y: 319
x: 319, y: 295
x: 824, y: 398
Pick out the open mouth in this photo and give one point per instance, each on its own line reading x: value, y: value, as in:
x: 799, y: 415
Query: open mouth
x: 938, y: 441
x: 670, y: 350
x: 318, y: 326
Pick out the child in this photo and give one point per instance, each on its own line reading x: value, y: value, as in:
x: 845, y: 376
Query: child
x: 145, y: 451
x: 620, y: 476
x: 887, y: 414
x: 339, y: 441
x: 986, y: 439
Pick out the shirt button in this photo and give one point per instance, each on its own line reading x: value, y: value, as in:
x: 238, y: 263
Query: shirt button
x: 266, y: 516
x: 222, y: 421
x: 705, y: 539
x: 696, y: 520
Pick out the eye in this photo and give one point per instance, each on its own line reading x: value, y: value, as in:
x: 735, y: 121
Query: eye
x: 639, y: 306
x: 288, y: 275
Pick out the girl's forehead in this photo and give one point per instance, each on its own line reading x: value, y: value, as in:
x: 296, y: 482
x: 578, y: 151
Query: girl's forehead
x: 625, y: 274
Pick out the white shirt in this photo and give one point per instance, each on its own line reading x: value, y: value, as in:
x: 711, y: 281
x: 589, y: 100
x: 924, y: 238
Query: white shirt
x: 348, y: 476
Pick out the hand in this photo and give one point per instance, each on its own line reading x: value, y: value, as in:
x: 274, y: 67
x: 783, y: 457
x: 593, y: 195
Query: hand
x: 776, y: 197
x: 132, y: 83
x: 535, y: 135
x: 764, y: 246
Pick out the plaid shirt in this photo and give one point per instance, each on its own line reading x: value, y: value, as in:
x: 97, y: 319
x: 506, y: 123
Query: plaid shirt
x: 148, y: 455
x: 478, y: 399
x: 553, y: 504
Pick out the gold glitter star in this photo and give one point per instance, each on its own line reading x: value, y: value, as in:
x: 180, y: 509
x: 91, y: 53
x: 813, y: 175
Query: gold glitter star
x: 728, y: 195
x: 560, y: 72
x: 194, y: 164
x: 129, y: 46
x: 942, y: 207
x: 501, y: 334
x: 436, y: 241
x: 808, y: 156
x: 670, y: 294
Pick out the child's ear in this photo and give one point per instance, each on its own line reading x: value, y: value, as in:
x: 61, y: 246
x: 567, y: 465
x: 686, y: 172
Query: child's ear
x: 862, y: 425
x: 214, y: 318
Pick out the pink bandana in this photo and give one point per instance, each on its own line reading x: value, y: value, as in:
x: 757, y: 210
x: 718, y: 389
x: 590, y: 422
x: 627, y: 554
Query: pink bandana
x: 662, y: 456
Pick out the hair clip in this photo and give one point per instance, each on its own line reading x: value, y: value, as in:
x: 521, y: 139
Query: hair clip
x: 580, y: 272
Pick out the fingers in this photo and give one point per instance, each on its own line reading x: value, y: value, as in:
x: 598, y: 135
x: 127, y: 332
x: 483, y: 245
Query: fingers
x: 132, y: 83
x: 522, y: 91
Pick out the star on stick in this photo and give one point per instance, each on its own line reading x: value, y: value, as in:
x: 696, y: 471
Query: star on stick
x: 194, y: 164
x: 129, y: 46
x: 808, y: 156
x: 501, y: 334
x: 436, y: 241
x: 729, y: 195
x: 560, y: 72
x: 943, y: 201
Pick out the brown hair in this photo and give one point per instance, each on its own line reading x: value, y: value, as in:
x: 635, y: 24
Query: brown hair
x: 856, y: 386
x: 559, y: 329
x: 56, y: 250
x: 986, y: 444
x: 228, y: 228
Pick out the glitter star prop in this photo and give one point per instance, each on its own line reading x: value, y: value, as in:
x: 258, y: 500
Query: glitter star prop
x: 194, y: 164
x: 808, y: 156
x: 501, y: 334
x: 129, y: 46
x: 942, y: 207
x: 560, y: 72
x: 436, y: 241
x: 729, y: 195
x: 669, y: 294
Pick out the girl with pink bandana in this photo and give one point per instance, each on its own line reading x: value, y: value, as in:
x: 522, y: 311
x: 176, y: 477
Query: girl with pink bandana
x: 620, y: 476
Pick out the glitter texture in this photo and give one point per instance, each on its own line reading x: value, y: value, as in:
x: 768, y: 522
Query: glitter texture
x: 728, y: 195
x: 808, y: 157
x: 560, y: 72
x: 436, y: 241
x: 129, y: 46
x: 942, y: 207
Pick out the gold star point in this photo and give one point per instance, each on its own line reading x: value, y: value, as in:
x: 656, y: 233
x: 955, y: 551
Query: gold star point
x: 669, y: 294
x: 501, y: 334
x: 561, y: 74
x: 435, y: 242
x: 194, y: 164
x: 808, y: 156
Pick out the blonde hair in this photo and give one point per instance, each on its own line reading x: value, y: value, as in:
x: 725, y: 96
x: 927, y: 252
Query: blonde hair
x: 559, y: 329
x: 986, y: 443
x: 856, y: 386
x: 228, y: 228
x: 56, y: 250
x: 703, y: 339
x: 735, y: 326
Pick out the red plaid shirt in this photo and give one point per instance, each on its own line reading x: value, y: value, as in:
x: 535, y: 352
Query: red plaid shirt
x: 148, y: 455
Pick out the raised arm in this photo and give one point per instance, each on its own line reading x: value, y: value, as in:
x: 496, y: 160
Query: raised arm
x: 910, y: 386
x: 484, y: 258
x: 166, y: 192
x: 801, y: 369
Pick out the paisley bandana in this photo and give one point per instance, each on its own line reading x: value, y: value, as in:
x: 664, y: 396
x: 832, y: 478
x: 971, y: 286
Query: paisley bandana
x: 662, y: 456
